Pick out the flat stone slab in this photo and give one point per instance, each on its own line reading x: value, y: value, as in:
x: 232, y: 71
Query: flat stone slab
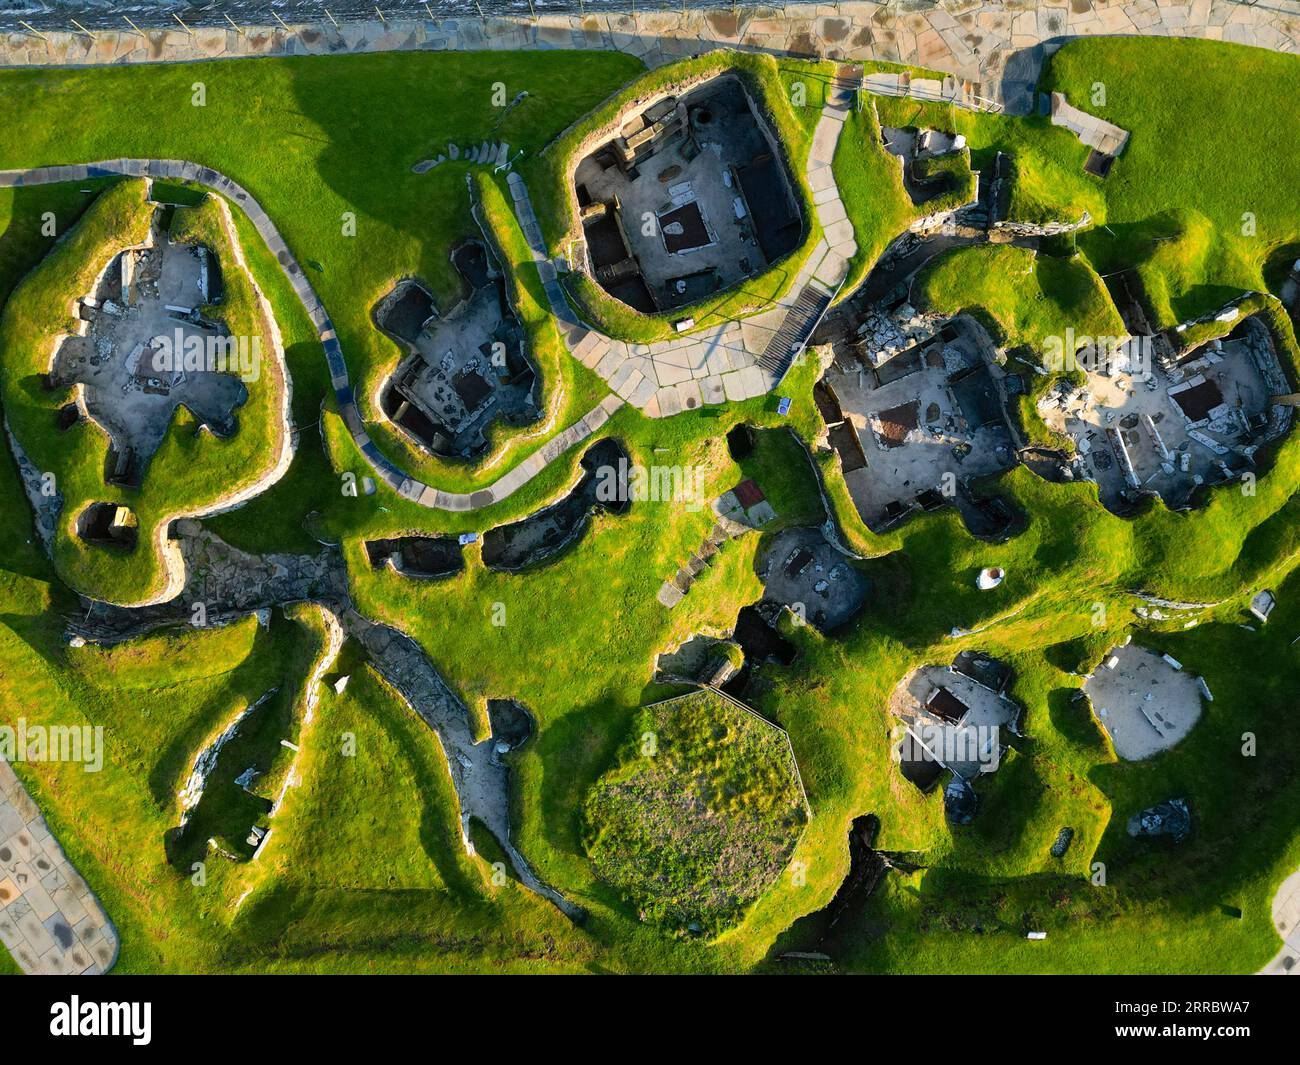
x: 50, y: 921
x: 1144, y: 702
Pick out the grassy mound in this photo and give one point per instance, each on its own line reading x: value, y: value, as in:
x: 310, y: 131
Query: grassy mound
x: 336, y: 137
x: 1178, y: 97
x: 870, y: 181
x: 1023, y: 299
x: 358, y: 878
x: 700, y: 814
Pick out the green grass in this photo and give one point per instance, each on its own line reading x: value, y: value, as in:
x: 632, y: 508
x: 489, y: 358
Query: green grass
x: 365, y: 869
x: 1177, y: 177
x: 191, y: 470
x: 1030, y: 303
x: 953, y: 169
x: 24, y: 241
x: 336, y: 137
x: 870, y: 181
x: 1048, y: 180
x: 1024, y: 298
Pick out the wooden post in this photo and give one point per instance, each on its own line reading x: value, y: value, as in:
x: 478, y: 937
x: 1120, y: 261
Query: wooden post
x: 138, y: 32
x: 331, y: 18
x: 233, y: 23
x: 381, y: 15
x: 33, y: 31
x: 81, y: 28
x: 183, y: 26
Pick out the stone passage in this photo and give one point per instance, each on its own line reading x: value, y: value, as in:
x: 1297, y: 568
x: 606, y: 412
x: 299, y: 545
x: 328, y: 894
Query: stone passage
x: 49, y: 919
x: 391, y: 475
x: 234, y: 583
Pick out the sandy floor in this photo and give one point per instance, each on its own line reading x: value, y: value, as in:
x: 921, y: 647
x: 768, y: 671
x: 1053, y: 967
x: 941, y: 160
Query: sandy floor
x: 1143, y: 703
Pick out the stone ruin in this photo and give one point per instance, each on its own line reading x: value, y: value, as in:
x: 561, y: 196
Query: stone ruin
x: 925, y: 156
x: 916, y: 406
x: 418, y: 556
x: 953, y: 719
x: 1172, y: 819
x: 1160, y: 418
x: 546, y: 533
x: 690, y: 196
x: 802, y: 570
x: 463, y: 371
x: 108, y: 525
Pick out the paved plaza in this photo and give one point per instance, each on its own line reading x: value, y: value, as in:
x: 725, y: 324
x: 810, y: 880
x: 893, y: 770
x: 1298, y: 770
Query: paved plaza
x: 49, y: 919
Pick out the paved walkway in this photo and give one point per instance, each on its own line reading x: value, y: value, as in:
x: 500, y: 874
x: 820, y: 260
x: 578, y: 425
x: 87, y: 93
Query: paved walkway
x: 49, y: 919
x: 1286, y: 916
x: 724, y: 363
x: 390, y: 474
x: 997, y: 46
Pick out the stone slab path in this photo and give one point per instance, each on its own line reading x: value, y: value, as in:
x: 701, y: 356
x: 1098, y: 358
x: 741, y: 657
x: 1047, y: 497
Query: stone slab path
x: 998, y: 46
x: 722, y: 363
x: 388, y: 472
x: 50, y: 920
